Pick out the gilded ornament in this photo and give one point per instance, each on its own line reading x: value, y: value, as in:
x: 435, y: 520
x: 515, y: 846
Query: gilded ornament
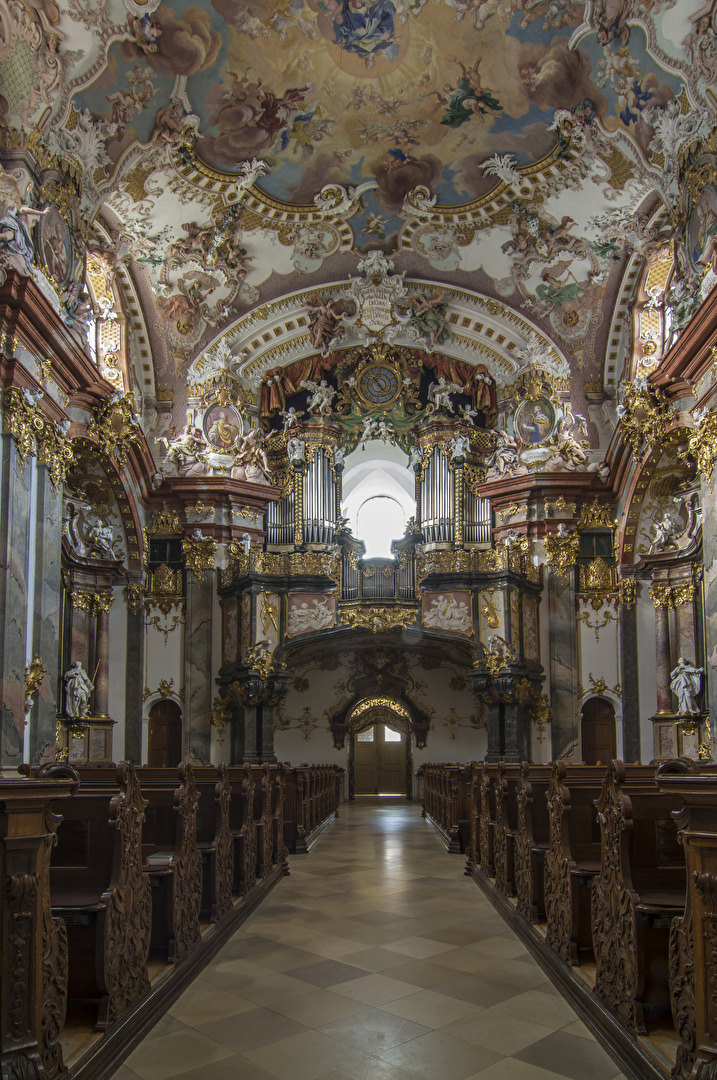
x: 598, y: 577
x: 542, y: 714
x: 645, y: 416
x: 596, y: 515
x: 683, y: 594
x: 492, y: 559
x: 497, y: 655
x: 115, y: 426
x: 200, y: 510
x: 34, y: 674
x: 165, y: 521
x: 165, y: 581
x: 135, y: 595
x: 377, y: 619
x: 561, y: 551
x: 247, y: 513
x: 508, y: 511
x: 597, y: 686
x: 61, y: 748
x: 55, y: 452
x: 627, y: 592
x: 380, y: 703
x: 198, y: 553
x: 702, y: 442
x: 91, y: 602
x: 44, y: 367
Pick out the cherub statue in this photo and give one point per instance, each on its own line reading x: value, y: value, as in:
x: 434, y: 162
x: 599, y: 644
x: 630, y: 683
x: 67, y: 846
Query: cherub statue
x: 439, y: 394
x: 321, y: 397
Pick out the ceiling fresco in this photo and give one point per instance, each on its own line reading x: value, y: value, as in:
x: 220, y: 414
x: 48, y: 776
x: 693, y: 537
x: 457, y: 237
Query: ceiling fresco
x: 234, y: 166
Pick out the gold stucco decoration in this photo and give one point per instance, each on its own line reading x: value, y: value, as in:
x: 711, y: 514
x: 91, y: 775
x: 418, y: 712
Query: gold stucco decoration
x: 561, y: 551
x: 115, y: 426
x: 198, y: 552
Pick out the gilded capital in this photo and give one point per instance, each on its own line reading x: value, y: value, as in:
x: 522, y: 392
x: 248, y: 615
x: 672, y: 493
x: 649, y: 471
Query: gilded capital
x: 198, y: 552
x: 115, y: 427
x: 561, y: 551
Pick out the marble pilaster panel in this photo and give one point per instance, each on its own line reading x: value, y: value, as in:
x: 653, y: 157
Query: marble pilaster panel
x: 133, y: 685
x: 709, y: 542
x: 663, y: 659
x: 198, y: 664
x: 563, y: 663
x: 46, y: 612
x: 15, y: 518
x: 629, y: 681
x: 252, y: 718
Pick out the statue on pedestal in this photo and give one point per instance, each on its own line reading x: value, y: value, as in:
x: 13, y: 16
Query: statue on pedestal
x: 78, y: 688
x: 685, y: 685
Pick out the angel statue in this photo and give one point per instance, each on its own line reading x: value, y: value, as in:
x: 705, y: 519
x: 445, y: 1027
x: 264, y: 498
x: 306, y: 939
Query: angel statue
x: 78, y: 688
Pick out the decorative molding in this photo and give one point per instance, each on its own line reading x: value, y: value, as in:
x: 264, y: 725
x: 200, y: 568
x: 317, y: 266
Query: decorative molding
x: 702, y: 442
x: 645, y: 416
x: 35, y: 435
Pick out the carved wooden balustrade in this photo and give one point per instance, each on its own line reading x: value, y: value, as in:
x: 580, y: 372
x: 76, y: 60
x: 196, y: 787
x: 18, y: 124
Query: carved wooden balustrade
x: 447, y: 803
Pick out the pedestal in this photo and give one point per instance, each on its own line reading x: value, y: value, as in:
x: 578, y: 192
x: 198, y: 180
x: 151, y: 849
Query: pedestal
x: 681, y: 735
x: 85, y: 741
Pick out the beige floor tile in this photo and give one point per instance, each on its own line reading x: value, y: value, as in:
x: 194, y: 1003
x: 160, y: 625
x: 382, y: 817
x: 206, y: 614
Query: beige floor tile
x: 172, y: 1055
x: 318, y: 1008
x: 579, y: 1029
x: 431, y: 1009
x: 499, y: 1033
x: 441, y: 1057
x: 375, y: 989
x: 305, y: 1057
x: 418, y: 947
x: 510, y: 1069
x: 204, y: 1002
x: 540, y: 1008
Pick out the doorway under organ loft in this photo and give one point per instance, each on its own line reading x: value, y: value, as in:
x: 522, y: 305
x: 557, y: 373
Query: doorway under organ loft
x: 380, y: 751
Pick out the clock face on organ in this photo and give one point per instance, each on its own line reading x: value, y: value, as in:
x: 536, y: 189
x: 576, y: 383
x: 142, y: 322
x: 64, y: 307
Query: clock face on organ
x: 379, y: 384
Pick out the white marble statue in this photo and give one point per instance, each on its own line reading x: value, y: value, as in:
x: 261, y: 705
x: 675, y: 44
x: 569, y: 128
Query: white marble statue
x: 321, y: 395
x: 296, y: 450
x: 77, y: 691
x: 685, y: 685
x: 460, y: 446
x: 440, y: 394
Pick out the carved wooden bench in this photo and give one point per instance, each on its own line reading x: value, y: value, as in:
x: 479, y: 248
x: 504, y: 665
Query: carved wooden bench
x: 98, y: 888
x: 214, y: 841
x: 242, y: 827
x: 639, y: 890
x: 172, y: 862
x: 532, y: 840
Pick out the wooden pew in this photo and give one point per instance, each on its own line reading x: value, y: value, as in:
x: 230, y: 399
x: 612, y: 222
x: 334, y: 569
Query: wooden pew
x: 242, y: 828
x: 213, y: 840
x: 447, y: 805
x: 505, y: 825
x: 532, y: 840
x: 693, y: 941
x: 573, y: 859
x: 487, y: 818
x: 172, y: 862
x: 305, y: 815
x: 639, y: 890
x: 98, y: 888
x: 34, y: 953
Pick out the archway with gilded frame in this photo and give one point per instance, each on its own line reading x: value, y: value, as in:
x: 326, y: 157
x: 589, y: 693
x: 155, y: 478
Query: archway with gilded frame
x: 373, y: 711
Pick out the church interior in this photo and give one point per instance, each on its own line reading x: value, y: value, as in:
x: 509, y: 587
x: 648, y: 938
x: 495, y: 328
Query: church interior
x: 358, y: 442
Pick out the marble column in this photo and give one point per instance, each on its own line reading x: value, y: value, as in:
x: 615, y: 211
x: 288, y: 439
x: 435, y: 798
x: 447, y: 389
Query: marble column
x: 662, y: 657
x: 103, y: 603
x: 198, y: 664
x: 495, y: 731
x: 563, y: 663
x: 46, y: 629
x: 629, y: 680
x: 512, y: 749
x: 133, y: 684
x: 709, y: 550
x: 15, y: 517
x: 252, y: 720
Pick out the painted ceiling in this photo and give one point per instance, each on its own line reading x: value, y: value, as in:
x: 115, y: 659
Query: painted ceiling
x: 238, y: 160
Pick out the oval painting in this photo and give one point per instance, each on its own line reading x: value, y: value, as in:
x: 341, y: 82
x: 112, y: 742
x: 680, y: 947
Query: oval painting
x: 223, y: 425
x: 56, y: 247
x: 535, y: 421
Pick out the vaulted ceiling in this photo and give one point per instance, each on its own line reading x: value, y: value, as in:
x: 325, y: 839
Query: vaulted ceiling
x: 236, y: 160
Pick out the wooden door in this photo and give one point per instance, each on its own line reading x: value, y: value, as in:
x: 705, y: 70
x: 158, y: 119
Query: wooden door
x: 598, y: 732
x: 165, y: 735
x: 391, y: 761
x: 380, y: 761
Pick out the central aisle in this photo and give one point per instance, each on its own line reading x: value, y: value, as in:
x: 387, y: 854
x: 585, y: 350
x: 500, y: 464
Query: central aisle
x: 375, y: 960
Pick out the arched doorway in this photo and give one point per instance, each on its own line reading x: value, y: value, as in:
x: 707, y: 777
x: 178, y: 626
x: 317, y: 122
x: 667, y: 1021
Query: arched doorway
x: 598, y: 732
x: 380, y: 749
x: 165, y: 735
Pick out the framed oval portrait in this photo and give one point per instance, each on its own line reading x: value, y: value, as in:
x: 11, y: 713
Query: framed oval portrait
x: 56, y: 250
x: 223, y: 425
x: 535, y: 421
